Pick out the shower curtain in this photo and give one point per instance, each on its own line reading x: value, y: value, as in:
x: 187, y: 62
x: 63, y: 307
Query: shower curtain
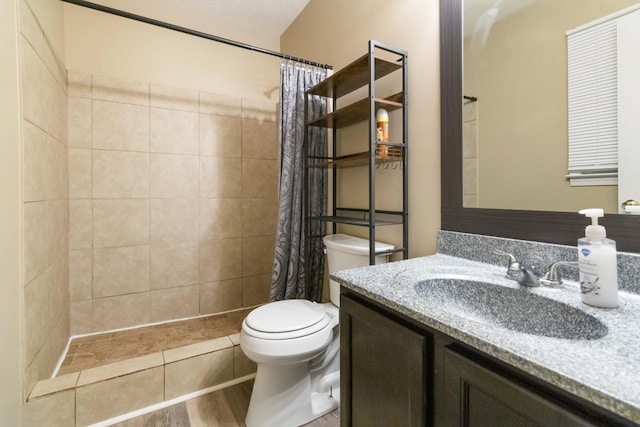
x: 290, y: 278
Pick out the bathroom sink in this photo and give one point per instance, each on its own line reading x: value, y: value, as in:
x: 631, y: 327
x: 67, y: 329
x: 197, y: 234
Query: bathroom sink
x: 511, y: 308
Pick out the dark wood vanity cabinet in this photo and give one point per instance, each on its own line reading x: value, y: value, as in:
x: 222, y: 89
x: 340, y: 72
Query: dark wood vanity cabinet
x: 396, y: 372
x: 477, y: 396
x: 385, y: 364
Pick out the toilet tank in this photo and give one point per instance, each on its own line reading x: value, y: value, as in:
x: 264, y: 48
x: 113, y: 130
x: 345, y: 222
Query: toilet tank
x: 344, y: 252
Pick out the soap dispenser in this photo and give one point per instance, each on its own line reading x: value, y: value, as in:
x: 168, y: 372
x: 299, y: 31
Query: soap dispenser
x: 597, y: 261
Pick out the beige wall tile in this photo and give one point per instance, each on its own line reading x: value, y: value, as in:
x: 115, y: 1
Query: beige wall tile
x: 41, y: 367
x: 79, y: 173
x: 59, y: 177
x: 174, y: 176
x: 259, y: 139
x: 121, y: 368
x: 119, y: 126
x: 59, y: 336
x: 118, y: 271
x: 220, y: 259
x: 220, y: 136
x: 54, y: 410
x: 470, y: 179
x: 120, y: 311
x: 39, y: 89
x: 220, y: 105
x: 120, y: 222
x: 198, y: 373
x: 174, y: 220
x: 44, y: 100
x: 106, y: 399
x: 80, y: 274
x: 216, y: 297
x: 256, y: 289
x: 469, y: 148
x: 30, y: 28
x: 241, y: 364
x: 259, y: 178
x: 257, y: 255
x: 81, y: 317
x: 259, y: 216
x: 36, y: 245
x: 174, y: 303
x: 59, y: 296
x: 57, y: 228
x: 235, y: 338
x: 37, y: 164
x: 54, y: 385
x: 54, y: 64
x: 79, y: 122
x: 174, y: 131
x: 79, y: 84
x: 123, y: 91
x: 80, y: 224
x: 220, y: 218
x: 259, y: 110
x: 36, y: 315
x: 469, y: 111
x: 196, y: 349
x: 120, y: 175
x: 174, y: 98
x: 220, y: 177
x: 470, y: 200
x: 174, y: 264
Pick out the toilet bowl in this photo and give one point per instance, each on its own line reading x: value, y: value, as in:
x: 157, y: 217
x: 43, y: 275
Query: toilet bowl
x: 296, y: 346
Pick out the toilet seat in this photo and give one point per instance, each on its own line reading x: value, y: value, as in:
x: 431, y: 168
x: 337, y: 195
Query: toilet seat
x: 287, y: 319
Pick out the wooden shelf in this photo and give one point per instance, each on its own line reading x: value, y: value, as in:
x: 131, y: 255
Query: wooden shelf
x: 352, y: 77
x: 355, y: 221
x: 358, y: 159
x: 357, y: 112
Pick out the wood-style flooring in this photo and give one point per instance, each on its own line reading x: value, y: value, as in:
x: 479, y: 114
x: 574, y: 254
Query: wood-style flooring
x: 227, y: 407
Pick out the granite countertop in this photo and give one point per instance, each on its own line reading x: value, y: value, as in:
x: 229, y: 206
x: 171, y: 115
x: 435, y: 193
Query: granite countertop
x: 604, y: 371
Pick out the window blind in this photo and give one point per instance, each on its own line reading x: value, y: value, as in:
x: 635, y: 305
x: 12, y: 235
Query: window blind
x: 593, y: 105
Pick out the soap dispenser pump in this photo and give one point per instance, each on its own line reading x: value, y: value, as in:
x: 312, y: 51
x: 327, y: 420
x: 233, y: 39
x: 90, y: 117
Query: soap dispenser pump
x: 597, y: 261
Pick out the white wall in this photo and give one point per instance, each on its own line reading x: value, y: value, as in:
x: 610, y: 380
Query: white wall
x: 10, y: 223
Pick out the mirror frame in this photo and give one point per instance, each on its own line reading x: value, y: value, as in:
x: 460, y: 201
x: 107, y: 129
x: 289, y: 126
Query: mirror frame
x: 542, y: 226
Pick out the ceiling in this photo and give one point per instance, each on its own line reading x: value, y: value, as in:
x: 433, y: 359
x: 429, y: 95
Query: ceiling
x: 266, y: 18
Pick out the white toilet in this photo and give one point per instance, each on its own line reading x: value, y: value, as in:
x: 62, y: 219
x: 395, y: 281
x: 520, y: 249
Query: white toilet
x: 296, y: 345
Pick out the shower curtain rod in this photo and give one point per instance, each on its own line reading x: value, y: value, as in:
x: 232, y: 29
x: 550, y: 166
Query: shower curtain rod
x: 184, y: 30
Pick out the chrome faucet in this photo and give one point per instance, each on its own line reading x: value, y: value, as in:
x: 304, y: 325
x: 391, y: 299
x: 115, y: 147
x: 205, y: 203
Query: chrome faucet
x: 515, y: 271
x: 527, y: 276
x: 553, y: 277
x: 513, y: 268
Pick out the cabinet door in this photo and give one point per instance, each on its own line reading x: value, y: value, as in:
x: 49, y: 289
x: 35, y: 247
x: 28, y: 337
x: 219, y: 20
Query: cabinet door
x: 478, y: 397
x: 383, y: 378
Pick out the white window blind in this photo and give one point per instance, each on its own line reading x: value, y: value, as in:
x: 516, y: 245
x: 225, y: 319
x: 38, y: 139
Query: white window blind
x: 593, y: 105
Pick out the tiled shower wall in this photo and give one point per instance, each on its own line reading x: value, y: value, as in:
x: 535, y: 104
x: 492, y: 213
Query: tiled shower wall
x: 44, y: 193
x: 470, y: 154
x: 172, y: 202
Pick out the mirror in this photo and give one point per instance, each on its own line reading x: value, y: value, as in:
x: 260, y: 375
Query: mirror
x: 515, y: 120
x: 536, y: 225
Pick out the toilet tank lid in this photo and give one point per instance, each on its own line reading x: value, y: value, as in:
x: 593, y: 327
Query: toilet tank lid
x: 352, y: 244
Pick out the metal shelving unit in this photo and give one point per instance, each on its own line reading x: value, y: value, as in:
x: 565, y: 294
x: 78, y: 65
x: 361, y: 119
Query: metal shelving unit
x: 364, y: 72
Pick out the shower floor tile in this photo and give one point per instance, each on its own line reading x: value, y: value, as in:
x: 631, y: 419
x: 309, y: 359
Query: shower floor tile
x: 101, y: 349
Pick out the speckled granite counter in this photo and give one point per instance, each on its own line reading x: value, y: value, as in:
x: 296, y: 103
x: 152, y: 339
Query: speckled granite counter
x: 604, y: 371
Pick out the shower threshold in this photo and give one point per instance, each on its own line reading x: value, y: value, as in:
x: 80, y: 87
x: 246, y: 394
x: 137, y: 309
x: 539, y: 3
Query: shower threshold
x: 100, y: 349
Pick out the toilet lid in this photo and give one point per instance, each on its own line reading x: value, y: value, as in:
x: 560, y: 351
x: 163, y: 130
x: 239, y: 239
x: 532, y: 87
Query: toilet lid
x: 285, y: 316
